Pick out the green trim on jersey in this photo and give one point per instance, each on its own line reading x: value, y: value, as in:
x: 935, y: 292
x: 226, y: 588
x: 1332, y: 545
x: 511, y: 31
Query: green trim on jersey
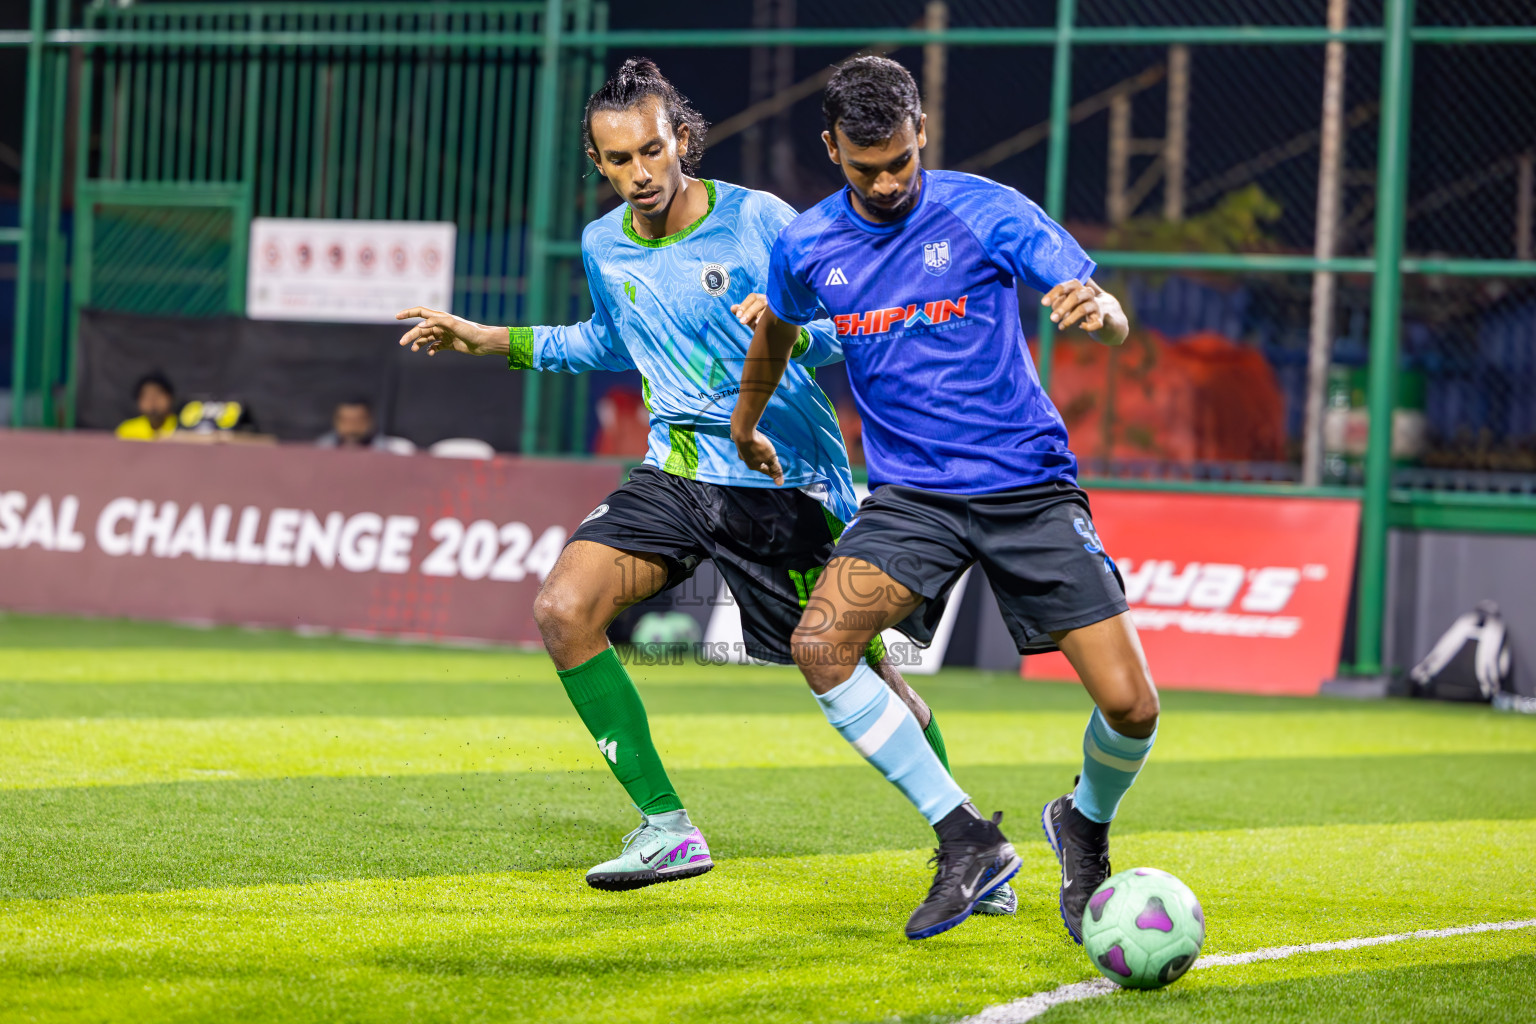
x: 519, y: 348
x: 657, y: 243
x: 683, y: 459
x: 801, y: 344
x: 645, y: 392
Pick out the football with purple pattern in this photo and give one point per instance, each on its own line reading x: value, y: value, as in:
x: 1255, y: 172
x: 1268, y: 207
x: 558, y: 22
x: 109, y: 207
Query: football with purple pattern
x: 1143, y: 928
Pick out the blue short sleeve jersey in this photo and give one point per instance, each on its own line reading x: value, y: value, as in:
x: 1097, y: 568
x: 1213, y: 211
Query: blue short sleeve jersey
x: 927, y: 309
x: 663, y: 306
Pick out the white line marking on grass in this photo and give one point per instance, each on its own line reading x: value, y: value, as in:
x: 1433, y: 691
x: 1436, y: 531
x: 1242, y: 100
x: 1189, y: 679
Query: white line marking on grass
x: 1281, y: 952
x: 1032, y: 1006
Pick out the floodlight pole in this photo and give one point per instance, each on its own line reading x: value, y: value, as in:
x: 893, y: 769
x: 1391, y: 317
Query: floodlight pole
x: 1056, y: 160
x: 935, y: 71
x: 1330, y: 163
x: 1386, y: 311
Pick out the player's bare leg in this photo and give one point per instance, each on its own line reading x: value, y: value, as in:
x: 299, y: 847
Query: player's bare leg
x: 853, y: 601
x: 586, y: 590
x: 588, y: 587
x: 1108, y: 659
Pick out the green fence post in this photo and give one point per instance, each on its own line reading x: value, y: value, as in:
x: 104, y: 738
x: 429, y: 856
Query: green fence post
x: 245, y: 207
x: 51, y: 338
x: 28, y: 186
x: 541, y: 197
x: 1386, y: 302
x: 1056, y: 159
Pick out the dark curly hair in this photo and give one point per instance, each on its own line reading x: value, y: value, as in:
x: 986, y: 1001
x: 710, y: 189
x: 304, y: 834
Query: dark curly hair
x: 869, y: 97
x: 635, y: 80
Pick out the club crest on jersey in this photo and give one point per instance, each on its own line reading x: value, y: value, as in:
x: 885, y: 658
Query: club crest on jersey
x: 936, y: 256
x: 715, y: 278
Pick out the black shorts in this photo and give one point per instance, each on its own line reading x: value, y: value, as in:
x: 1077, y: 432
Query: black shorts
x: 769, y: 543
x: 1037, y: 546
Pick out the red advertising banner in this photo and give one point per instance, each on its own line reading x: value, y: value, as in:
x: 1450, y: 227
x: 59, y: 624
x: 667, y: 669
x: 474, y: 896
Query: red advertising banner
x: 289, y: 536
x: 1229, y: 593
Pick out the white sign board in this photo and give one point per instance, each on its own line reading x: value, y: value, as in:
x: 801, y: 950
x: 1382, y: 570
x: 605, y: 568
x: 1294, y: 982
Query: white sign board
x: 347, y: 271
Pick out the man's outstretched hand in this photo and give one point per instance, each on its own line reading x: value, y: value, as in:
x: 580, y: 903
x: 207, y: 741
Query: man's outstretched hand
x: 440, y: 331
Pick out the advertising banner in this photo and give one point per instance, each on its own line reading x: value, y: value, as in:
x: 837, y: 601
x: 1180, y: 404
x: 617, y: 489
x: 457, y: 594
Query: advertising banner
x: 1244, y: 593
x: 291, y: 537
x: 347, y: 271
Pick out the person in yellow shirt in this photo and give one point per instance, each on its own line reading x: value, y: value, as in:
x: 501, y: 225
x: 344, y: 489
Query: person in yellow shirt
x: 157, y: 410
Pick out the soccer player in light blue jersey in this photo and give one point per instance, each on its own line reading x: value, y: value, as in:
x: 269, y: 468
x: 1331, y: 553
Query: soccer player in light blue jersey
x: 968, y: 460
x: 676, y: 274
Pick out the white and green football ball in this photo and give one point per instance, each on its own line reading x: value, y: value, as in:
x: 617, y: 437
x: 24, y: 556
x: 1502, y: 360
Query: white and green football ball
x: 1143, y: 928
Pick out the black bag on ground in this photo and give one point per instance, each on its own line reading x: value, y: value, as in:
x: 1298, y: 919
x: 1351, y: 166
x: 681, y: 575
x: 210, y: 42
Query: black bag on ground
x: 1471, y: 662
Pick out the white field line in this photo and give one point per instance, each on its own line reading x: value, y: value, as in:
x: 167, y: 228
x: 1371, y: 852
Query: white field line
x: 1032, y: 1006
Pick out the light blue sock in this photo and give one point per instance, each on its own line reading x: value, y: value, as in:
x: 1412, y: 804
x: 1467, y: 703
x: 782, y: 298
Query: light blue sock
x: 880, y: 727
x: 1110, y: 764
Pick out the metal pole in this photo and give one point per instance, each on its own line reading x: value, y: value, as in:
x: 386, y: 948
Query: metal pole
x: 50, y: 356
x: 1525, y: 204
x: 1330, y: 166
x: 27, y: 189
x: 1056, y: 159
x: 541, y: 198
x: 758, y: 89
x: 1176, y: 138
x: 935, y: 72
x: 1118, y: 174
x: 1386, y: 306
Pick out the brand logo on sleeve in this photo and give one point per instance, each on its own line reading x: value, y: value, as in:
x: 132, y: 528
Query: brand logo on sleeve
x: 879, y: 321
x: 936, y: 256
x: 836, y: 277
x: 629, y: 289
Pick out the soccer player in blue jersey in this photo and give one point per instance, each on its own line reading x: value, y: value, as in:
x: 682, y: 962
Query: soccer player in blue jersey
x: 676, y: 274
x: 968, y: 460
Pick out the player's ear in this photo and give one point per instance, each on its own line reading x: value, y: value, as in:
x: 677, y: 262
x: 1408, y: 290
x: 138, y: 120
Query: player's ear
x: 831, y: 148
x: 682, y: 140
x: 922, y: 130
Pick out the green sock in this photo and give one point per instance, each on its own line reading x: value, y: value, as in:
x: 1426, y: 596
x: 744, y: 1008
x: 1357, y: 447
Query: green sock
x: 936, y: 739
x: 609, y: 704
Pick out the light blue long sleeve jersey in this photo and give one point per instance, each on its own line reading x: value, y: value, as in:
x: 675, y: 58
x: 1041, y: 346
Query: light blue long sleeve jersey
x: 663, y: 306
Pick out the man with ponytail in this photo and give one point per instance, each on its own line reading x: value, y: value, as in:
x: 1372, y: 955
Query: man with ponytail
x: 677, y: 273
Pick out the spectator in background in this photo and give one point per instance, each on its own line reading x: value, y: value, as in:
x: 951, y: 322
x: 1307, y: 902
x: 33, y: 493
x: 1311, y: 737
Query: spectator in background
x: 353, y: 426
x: 156, y: 400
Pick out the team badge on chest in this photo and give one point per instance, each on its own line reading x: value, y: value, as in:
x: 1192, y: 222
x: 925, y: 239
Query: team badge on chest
x: 715, y: 278
x: 936, y: 257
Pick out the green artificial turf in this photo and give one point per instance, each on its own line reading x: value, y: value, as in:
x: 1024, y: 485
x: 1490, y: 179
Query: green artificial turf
x: 228, y: 825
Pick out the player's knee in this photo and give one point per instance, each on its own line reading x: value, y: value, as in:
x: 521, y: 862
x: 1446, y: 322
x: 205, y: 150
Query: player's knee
x: 557, y: 611
x: 1135, y: 713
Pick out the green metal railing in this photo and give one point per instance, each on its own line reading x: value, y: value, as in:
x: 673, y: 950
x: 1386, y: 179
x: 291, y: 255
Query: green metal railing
x: 304, y: 109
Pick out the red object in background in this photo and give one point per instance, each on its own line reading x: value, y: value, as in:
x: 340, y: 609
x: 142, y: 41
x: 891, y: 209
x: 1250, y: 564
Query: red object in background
x: 1202, y: 398
x: 291, y: 536
x: 1246, y: 594
x: 624, y: 424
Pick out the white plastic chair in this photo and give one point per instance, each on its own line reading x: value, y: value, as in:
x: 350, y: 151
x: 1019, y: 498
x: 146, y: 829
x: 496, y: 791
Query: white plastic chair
x: 462, y: 448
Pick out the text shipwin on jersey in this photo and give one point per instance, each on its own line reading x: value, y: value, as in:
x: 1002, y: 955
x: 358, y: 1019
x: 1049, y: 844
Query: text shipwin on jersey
x: 880, y: 321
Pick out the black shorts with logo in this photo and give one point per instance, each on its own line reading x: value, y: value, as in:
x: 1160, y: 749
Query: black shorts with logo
x: 769, y: 543
x: 1036, y: 545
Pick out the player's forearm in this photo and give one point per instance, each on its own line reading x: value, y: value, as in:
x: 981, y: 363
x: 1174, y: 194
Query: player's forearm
x: 767, y: 357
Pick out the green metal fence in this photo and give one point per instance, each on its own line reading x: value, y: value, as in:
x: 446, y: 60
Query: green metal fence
x: 190, y: 118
